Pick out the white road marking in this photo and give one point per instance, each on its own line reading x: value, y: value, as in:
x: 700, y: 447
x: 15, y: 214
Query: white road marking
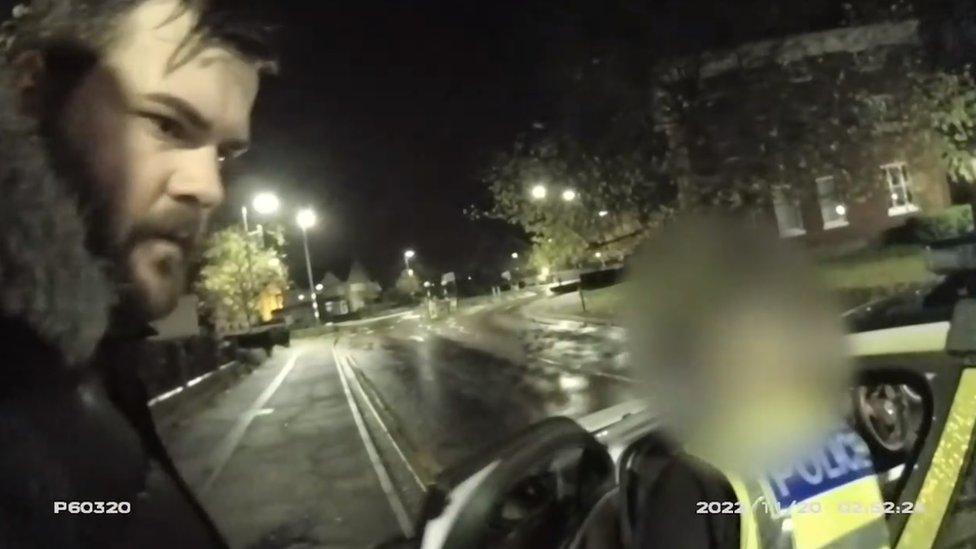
x: 222, y: 453
x: 386, y: 431
x: 386, y: 483
x: 189, y: 384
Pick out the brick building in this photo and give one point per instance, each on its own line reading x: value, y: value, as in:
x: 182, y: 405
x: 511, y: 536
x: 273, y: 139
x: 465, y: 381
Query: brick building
x: 820, y: 130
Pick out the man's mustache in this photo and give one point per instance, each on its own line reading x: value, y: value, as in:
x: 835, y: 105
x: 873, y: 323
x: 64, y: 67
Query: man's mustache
x: 182, y: 225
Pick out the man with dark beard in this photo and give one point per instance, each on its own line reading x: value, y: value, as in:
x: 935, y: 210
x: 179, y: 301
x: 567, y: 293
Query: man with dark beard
x: 115, y: 119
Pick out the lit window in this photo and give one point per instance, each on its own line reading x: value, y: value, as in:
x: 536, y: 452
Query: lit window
x: 788, y: 216
x: 832, y: 209
x: 901, y: 199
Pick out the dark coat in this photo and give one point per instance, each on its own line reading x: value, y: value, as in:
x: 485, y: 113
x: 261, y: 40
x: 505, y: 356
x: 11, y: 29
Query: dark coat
x: 74, y: 424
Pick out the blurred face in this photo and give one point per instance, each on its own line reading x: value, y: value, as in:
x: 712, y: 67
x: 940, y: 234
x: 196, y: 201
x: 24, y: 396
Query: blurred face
x: 151, y: 125
x: 741, y: 347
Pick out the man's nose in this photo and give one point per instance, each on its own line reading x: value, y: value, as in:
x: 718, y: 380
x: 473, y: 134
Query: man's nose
x: 197, y: 179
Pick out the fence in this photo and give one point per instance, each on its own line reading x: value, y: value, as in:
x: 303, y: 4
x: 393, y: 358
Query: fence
x: 175, y: 363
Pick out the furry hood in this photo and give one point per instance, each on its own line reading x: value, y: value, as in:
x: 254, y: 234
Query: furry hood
x: 48, y: 278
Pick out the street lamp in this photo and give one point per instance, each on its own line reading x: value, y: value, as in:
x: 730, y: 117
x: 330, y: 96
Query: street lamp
x: 306, y: 219
x: 539, y: 192
x: 266, y: 203
x: 603, y: 213
x: 407, y: 256
x: 514, y: 255
x: 569, y: 195
x: 319, y: 287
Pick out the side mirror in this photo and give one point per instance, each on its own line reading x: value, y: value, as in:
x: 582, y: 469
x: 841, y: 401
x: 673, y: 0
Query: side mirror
x: 535, y: 491
x: 961, y: 340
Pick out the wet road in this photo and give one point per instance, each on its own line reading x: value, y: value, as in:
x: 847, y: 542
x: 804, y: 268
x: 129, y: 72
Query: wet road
x: 331, y: 442
x: 453, y: 388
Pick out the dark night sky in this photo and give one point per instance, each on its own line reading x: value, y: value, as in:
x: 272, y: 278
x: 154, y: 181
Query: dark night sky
x: 382, y: 118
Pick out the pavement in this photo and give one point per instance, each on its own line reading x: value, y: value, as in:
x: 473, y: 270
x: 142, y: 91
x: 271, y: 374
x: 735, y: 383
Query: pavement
x: 278, y: 460
x: 331, y: 442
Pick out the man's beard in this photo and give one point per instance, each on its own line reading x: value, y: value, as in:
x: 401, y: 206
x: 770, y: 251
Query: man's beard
x: 105, y: 239
x: 109, y: 235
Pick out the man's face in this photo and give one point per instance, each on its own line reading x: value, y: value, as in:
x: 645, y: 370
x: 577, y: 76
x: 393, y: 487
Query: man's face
x: 152, y: 124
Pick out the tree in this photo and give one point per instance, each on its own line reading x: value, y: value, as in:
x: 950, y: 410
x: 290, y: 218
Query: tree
x: 237, y: 270
x: 615, y: 199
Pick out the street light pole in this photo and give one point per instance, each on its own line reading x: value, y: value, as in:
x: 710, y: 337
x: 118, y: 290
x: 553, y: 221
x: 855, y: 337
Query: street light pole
x: 308, y: 268
x: 306, y: 220
x: 249, y: 287
x: 244, y: 219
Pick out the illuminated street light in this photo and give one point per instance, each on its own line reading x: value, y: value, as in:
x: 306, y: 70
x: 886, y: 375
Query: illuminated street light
x: 598, y: 255
x: 603, y: 213
x: 306, y: 219
x: 266, y: 203
x: 569, y: 195
x: 301, y: 297
x: 514, y: 255
x: 539, y: 192
x: 840, y: 209
x: 407, y: 256
x: 319, y: 287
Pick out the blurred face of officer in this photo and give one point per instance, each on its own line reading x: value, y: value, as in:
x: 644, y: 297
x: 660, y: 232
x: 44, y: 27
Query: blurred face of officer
x: 150, y: 125
x: 739, y: 342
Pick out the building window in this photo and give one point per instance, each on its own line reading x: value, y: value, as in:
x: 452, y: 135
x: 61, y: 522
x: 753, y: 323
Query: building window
x: 832, y: 209
x: 789, y: 218
x: 901, y: 199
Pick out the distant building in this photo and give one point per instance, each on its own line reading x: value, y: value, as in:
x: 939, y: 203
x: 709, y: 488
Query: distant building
x: 788, y: 114
x: 361, y: 290
x: 352, y: 296
x: 333, y: 296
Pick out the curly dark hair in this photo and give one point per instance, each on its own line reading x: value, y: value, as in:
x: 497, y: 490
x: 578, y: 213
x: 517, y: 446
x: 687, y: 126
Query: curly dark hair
x: 43, y: 24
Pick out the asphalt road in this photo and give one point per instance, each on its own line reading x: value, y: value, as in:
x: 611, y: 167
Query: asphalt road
x: 329, y: 443
x: 454, y: 388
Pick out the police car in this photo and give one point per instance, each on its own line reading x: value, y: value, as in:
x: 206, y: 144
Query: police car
x: 900, y: 474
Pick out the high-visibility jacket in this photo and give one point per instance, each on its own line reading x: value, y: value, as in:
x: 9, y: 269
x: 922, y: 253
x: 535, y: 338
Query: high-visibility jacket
x: 831, y: 498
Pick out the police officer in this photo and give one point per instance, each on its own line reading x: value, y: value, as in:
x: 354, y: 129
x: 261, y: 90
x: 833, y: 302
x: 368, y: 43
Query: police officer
x: 742, y: 351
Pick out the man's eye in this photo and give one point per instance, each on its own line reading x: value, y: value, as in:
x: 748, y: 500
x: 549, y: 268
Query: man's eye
x: 167, y: 127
